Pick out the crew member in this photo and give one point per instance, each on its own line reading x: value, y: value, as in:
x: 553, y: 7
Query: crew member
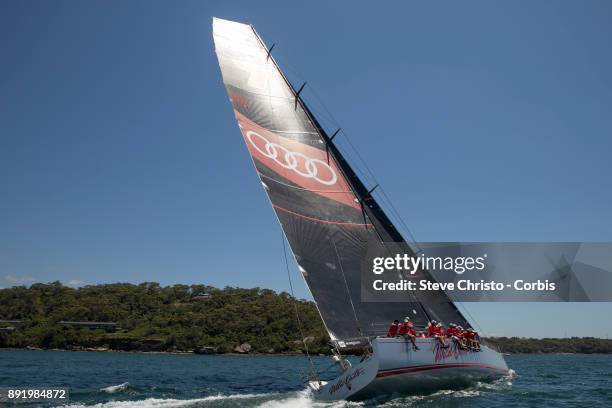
x: 467, y: 338
x: 453, y: 333
x: 452, y: 329
x: 440, y: 334
x: 430, y: 330
x: 472, y: 341
x: 392, y: 332
x: 434, y: 329
x: 406, y: 330
x: 461, y: 339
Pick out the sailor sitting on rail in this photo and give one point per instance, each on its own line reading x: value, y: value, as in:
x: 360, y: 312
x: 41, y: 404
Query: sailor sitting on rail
x: 463, y: 340
x: 407, y: 331
x: 392, y: 332
x: 471, y: 339
x: 435, y: 329
x: 430, y: 329
x: 441, y: 335
x: 454, y: 333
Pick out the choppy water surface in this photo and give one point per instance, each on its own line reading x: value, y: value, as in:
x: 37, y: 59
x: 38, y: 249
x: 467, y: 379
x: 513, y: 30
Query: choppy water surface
x: 126, y: 380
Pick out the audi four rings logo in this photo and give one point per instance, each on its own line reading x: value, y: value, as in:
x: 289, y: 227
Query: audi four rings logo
x: 289, y: 159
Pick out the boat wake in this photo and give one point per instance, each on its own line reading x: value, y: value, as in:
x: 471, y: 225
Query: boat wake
x: 302, y: 399
x: 449, y: 397
x: 236, y: 400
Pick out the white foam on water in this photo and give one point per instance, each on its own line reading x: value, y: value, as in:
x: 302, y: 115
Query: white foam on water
x: 501, y: 384
x: 167, y: 403
x: 304, y: 399
x: 465, y: 393
x: 469, y: 392
x: 478, y: 390
x: 115, y: 388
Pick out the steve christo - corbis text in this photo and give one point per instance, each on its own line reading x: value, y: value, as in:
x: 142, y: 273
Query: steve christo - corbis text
x: 465, y: 285
x: 458, y: 265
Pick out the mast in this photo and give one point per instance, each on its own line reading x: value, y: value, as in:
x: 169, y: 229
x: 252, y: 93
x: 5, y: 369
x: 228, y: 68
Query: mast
x: 356, y: 184
x: 329, y: 217
x: 361, y: 191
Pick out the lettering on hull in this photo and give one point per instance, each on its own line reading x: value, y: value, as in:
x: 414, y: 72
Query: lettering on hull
x: 441, y: 354
x: 346, y: 381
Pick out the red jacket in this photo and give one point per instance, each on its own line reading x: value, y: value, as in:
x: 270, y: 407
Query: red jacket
x: 392, y: 332
x: 405, y: 328
x: 431, y: 330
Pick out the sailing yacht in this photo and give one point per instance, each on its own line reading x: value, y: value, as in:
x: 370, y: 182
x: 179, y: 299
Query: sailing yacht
x: 331, y: 220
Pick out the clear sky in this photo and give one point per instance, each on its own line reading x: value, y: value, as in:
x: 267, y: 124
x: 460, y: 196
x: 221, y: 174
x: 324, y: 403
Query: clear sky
x: 120, y: 159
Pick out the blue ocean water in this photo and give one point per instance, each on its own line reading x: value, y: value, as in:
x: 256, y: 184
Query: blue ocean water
x: 126, y: 380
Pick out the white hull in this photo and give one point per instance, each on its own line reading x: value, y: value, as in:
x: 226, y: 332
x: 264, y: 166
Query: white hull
x: 394, y: 369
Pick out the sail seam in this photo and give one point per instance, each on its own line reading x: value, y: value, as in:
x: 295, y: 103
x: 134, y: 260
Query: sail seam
x: 348, y: 224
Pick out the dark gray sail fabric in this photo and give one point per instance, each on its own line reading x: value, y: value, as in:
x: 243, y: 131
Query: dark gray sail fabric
x: 328, y: 218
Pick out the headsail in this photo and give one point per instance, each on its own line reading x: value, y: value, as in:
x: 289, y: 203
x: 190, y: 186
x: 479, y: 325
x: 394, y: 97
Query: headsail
x: 328, y: 217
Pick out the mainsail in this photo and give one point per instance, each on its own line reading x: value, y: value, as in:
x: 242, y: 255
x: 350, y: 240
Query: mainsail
x: 327, y: 214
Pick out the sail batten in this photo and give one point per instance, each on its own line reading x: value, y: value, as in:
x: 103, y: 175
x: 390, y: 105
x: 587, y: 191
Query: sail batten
x: 328, y: 216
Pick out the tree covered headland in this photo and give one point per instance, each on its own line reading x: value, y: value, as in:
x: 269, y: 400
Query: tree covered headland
x: 582, y: 345
x: 149, y: 317
x: 155, y: 318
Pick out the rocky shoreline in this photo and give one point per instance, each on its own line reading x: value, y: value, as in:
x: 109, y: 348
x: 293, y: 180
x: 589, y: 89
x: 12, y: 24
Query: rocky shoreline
x: 176, y: 352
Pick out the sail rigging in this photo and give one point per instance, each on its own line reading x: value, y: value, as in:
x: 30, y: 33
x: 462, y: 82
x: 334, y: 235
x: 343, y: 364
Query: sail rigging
x: 329, y: 217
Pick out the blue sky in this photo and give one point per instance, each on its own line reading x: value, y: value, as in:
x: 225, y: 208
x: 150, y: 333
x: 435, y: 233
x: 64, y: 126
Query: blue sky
x: 120, y: 159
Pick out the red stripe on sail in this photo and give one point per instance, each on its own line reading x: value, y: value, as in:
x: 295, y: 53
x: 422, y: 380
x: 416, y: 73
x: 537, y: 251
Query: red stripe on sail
x: 303, y: 165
